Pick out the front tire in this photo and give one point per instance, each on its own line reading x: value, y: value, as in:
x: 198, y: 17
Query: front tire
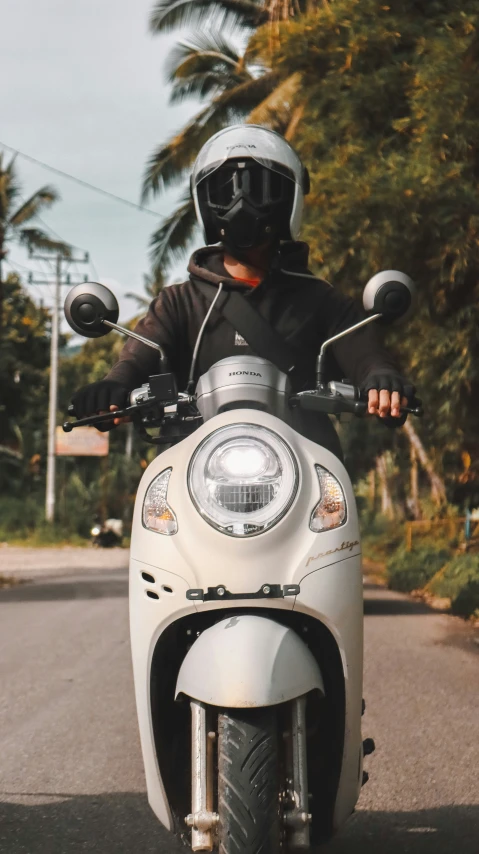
x: 248, y: 782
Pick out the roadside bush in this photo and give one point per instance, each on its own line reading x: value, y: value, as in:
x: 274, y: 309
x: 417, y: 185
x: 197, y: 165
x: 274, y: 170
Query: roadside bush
x: 459, y: 582
x: 19, y: 515
x: 379, y: 537
x: 407, y: 571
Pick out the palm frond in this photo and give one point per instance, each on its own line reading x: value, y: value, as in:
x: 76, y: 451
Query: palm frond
x: 35, y: 238
x: 169, y: 243
x: 200, y: 86
x: 212, y: 44
x: 175, y: 14
x: 203, y: 66
x: 237, y: 103
x: 171, y: 162
x: 9, y: 188
x: 43, y: 198
x: 276, y: 110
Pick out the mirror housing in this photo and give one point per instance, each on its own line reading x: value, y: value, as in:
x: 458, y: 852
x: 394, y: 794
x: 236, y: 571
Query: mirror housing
x: 87, y: 305
x: 390, y: 294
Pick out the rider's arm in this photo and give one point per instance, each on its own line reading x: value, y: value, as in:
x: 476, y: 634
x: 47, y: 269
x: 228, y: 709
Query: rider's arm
x: 137, y: 361
x: 362, y: 358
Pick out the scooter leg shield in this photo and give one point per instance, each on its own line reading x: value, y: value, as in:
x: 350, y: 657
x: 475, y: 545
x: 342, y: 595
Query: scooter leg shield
x: 248, y: 661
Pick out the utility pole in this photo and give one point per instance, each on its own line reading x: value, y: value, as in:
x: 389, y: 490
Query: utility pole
x: 53, y: 392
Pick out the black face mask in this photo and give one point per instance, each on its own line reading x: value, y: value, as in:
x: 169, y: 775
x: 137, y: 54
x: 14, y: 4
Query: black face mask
x: 245, y: 205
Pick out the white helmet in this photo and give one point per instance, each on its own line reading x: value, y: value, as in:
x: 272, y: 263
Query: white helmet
x: 248, y: 186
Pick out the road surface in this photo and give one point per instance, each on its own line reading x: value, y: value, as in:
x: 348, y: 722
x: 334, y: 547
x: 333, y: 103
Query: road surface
x: 71, y: 777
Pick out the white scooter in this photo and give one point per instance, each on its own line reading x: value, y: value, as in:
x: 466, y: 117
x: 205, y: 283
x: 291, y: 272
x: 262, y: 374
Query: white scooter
x: 246, y: 599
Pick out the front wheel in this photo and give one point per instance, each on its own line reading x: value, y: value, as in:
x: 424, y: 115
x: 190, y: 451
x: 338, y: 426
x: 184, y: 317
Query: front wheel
x: 248, y: 782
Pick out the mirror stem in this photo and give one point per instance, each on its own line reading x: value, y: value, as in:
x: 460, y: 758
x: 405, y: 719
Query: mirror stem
x: 320, y: 372
x: 146, y: 341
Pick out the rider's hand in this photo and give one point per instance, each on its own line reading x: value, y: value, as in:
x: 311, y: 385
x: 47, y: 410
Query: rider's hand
x: 100, y: 397
x: 386, y: 394
x: 125, y: 420
x: 385, y: 403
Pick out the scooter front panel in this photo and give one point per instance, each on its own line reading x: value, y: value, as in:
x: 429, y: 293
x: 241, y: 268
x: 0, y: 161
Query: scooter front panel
x: 149, y: 616
x: 326, y: 566
x: 206, y: 557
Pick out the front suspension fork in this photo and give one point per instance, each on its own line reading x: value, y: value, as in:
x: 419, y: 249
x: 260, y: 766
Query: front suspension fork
x: 202, y: 819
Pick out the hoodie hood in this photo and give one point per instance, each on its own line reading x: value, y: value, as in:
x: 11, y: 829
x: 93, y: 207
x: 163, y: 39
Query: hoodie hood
x: 207, y: 264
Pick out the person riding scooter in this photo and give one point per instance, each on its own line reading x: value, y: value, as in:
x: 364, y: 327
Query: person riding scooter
x: 248, y: 186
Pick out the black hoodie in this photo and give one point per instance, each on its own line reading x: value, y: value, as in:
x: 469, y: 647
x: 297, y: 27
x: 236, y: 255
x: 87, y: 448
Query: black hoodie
x: 303, y: 311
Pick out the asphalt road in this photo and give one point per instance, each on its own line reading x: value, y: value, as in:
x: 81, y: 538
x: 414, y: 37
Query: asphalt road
x: 71, y: 777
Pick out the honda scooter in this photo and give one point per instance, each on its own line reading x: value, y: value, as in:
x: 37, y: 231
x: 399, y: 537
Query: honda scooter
x: 246, y: 597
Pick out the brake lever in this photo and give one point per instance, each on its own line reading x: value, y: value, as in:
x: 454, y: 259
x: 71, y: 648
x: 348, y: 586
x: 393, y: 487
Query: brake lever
x: 91, y: 420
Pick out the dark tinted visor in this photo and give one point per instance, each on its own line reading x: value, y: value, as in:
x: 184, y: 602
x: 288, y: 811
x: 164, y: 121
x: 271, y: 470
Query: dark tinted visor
x: 256, y: 182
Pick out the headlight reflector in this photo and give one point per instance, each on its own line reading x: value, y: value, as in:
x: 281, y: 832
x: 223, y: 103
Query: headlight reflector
x: 243, y: 479
x: 331, y: 510
x: 157, y: 513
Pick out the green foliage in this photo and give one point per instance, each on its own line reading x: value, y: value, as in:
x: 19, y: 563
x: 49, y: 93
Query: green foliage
x: 390, y: 135
x: 379, y: 537
x: 407, y: 571
x: 459, y: 582
x: 15, y: 212
x: 85, y: 486
x: 24, y: 357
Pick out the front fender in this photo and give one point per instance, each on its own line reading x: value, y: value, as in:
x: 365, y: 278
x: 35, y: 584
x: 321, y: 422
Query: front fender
x: 248, y: 661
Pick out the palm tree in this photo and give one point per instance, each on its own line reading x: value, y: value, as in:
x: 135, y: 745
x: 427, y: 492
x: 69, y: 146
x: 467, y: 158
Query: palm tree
x: 235, y: 84
x: 13, y: 218
x: 174, y: 14
x: 238, y: 87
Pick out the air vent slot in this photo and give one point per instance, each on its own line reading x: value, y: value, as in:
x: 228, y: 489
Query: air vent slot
x: 147, y: 577
x: 152, y: 595
x: 167, y: 589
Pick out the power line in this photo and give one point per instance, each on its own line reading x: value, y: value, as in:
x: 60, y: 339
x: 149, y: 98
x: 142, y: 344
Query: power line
x: 58, y: 237
x: 18, y: 268
x: 81, y: 181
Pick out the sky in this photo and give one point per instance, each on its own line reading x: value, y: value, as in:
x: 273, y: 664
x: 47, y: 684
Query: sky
x: 83, y: 90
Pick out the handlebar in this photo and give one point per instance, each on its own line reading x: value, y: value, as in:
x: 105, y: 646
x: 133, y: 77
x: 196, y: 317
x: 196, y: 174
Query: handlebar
x: 342, y: 397
x: 147, y: 405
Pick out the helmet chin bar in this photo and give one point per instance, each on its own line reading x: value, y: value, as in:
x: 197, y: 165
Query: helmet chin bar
x: 244, y: 227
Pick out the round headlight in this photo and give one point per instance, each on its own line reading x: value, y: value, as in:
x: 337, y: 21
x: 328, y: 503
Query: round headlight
x: 243, y: 479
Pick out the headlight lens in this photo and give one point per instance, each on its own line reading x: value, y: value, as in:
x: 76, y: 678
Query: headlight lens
x: 157, y: 513
x: 331, y: 510
x: 243, y: 479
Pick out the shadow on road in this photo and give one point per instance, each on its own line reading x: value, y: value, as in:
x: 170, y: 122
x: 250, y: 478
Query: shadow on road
x: 106, y: 824
x: 381, y: 602
x: 111, y: 823
x: 435, y: 831
x: 81, y: 588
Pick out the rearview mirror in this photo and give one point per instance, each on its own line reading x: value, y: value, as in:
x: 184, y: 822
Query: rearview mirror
x: 87, y: 306
x: 390, y: 294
